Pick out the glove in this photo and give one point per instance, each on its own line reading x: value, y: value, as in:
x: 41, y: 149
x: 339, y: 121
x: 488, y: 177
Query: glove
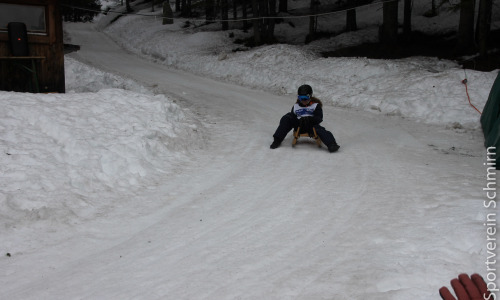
x: 473, y: 288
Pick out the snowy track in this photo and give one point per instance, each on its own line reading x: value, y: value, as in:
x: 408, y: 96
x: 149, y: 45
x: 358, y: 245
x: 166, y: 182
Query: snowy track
x: 394, y: 214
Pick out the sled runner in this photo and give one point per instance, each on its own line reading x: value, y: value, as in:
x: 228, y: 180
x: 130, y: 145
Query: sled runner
x: 311, y: 132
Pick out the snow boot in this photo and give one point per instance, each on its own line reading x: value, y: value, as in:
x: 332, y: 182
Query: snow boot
x: 275, y: 144
x: 333, y: 147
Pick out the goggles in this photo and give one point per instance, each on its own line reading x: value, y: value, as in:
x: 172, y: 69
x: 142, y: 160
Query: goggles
x: 304, y: 97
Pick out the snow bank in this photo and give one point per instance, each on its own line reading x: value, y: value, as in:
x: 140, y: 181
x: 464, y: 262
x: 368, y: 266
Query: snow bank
x: 424, y: 89
x: 112, y: 140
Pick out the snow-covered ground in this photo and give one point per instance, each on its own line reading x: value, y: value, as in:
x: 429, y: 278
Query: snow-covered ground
x: 145, y: 181
x: 424, y: 89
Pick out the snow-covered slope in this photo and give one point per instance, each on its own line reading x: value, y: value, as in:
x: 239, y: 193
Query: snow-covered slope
x: 161, y: 185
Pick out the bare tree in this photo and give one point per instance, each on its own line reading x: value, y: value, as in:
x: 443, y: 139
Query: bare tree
x: 209, y: 10
x: 313, y: 20
x: 407, y: 19
x: 283, y: 5
x: 235, y: 9
x: 483, y: 25
x: 257, y: 38
x: 244, y: 14
x: 389, y: 30
x: 263, y: 23
x: 465, y: 43
x: 224, y: 11
x: 168, y: 14
x: 127, y: 6
x: 271, y: 23
x: 350, y: 23
x: 185, y: 8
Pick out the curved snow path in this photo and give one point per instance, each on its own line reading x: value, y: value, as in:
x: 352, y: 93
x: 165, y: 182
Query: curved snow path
x: 390, y: 216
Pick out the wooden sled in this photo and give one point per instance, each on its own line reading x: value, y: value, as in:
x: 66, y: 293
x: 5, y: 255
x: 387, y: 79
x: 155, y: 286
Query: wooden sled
x: 311, y: 134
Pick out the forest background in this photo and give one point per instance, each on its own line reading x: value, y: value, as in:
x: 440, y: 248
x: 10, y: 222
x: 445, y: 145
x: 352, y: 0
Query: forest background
x: 473, y: 43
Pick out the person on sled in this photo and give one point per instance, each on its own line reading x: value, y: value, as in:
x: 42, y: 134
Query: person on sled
x: 307, y: 110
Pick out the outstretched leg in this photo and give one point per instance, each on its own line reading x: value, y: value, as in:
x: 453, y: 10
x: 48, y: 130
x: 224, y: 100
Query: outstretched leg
x: 327, y: 138
x: 287, y: 123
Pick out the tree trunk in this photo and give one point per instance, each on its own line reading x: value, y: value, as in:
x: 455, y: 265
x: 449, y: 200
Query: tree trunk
x: 263, y: 27
x: 244, y: 14
x: 257, y: 38
x: 484, y: 25
x: 313, y: 21
x: 407, y: 19
x: 283, y: 5
x: 270, y: 23
x: 351, y: 24
x: 235, y: 9
x: 209, y: 10
x: 389, y: 28
x: 264, y: 12
x: 465, y: 44
x: 224, y: 11
x: 185, y: 10
x: 350, y: 20
x: 168, y: 15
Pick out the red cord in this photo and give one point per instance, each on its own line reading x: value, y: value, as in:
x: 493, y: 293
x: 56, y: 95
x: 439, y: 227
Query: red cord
x: 467, y: 91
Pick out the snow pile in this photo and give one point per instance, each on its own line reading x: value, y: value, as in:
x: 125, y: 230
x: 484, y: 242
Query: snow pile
x: 82, y: 78
x: 86, y: 147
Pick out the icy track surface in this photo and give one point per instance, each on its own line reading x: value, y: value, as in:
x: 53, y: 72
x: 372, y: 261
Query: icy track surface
x: 395, y: 214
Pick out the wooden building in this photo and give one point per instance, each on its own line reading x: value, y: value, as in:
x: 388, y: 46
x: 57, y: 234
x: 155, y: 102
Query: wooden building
x: 41, y: 68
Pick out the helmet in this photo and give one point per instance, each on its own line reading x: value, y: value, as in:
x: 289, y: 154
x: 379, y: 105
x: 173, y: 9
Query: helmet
x: 305, y: 90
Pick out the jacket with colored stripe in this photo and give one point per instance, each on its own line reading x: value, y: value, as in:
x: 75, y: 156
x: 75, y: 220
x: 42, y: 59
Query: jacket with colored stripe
x: 312, y: 109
